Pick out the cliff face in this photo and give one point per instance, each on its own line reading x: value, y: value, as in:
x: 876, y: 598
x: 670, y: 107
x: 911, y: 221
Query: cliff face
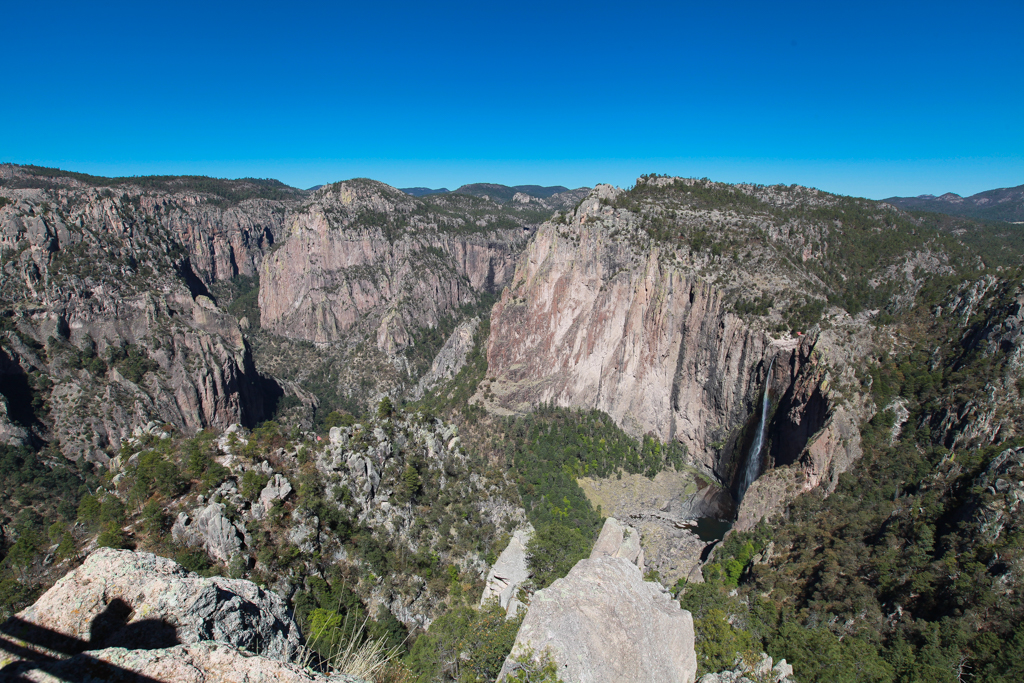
x: 364, y: 258
x: 106, y: 322
x: 599, y: 317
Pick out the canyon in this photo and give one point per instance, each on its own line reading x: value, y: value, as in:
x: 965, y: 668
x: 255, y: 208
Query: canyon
x: 346, y: 379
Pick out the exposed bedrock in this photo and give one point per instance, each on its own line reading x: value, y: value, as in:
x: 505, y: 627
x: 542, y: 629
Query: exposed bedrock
x: 338, y: 271
x: 592, y: 320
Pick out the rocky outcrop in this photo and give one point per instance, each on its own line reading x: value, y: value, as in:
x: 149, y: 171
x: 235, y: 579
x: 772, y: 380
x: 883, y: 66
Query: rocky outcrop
x: 449, y: 359
x: 128, y: 599
x: 210, y: 530
x: 365, y: 258
x: 509, y: 572
x: 603, y: 623
x: 124, y: 615
x: 104, y: 295
x: 619, y: 540
x: 203, y: 662
x: 599, y: 315
x: 760, y: 671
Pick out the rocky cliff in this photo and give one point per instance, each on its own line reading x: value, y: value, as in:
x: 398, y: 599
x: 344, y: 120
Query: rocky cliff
x: 600, y: 314
x: 106, y: 317
x: 604, y: 623
x: 364, y: 257
x: 136, y: 616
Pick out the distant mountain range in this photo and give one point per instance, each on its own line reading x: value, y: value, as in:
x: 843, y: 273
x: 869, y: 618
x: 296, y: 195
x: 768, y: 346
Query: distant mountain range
x: 1003, y: 204
x: 493, y: 191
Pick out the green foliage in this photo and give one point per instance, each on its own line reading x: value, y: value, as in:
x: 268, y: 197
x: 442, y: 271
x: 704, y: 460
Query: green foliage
x: 89, y: 509
x: 411, y: 482
x: 455, y: 394
x: 337, y: 418
x: 253, y: 483
x: 718, y: 642
x: 485, y: 636
x: 384, y: 408
x: 331, y: 614
x: 222, y: 192
x: 155, y: 473
x: 239, y: 296
x: 527, y: 667
x: 154, y: 519
x: 131, y: 361
x: 555, y: 549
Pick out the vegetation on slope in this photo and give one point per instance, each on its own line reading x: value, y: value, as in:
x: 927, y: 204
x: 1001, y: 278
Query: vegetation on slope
x: 899, y: 575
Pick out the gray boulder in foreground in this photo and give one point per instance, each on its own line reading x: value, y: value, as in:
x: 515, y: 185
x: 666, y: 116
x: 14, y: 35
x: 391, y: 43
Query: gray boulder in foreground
x: 603, y: 623
x: 132, y: 616
x: 139, y: 600
x: 205, y: 662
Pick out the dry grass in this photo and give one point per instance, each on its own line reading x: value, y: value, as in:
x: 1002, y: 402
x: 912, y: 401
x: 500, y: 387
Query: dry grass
x: 368, y: 659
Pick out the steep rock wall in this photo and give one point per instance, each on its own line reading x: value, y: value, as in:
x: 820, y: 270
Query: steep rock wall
x: 360, y: 259
x: 88, y: 274
x: 595, y: 318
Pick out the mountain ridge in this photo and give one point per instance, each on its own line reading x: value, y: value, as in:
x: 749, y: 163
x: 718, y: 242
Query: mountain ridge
x: 1001, y: 204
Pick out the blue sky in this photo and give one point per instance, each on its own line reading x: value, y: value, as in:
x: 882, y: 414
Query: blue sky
x: 869, y: 99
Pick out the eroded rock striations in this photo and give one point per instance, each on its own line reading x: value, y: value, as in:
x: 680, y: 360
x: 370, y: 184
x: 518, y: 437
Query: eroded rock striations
x: 509, y: 572
x: 366, y: 258
x: 599, y: 315
x: 106, y: 313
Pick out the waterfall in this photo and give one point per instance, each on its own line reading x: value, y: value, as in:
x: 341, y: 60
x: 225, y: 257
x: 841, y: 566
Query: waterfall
x: 753, y: 467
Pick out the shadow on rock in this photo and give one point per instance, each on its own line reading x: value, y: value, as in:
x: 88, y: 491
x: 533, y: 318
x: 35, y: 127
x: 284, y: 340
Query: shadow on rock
x: 42, y: 650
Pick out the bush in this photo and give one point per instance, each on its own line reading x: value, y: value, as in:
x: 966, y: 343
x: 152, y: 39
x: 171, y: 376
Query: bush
x: 554, y: 550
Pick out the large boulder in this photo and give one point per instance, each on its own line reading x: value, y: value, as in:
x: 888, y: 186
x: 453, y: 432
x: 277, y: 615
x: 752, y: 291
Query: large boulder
x: 603, y: 623
x: 619, y: 540
x: 211, y: 530
x: 120, y: 598
x: 510, y: 571
x: 205, y: 662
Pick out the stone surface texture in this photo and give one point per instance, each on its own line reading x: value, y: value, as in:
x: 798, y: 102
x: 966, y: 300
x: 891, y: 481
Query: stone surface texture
x: 600, y: 316
x: 202, y: 662
x: 510, y: 570
x: 234, y: 612
x: 603, y: 623
x: 619, y: 540
x: 338, y: 272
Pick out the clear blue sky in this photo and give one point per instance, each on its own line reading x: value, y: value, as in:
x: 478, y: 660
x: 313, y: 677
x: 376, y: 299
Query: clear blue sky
x: 863, y: 98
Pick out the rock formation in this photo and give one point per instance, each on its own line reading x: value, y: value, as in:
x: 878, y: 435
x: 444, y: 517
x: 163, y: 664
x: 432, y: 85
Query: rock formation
x: 603, y: 623
x: 509, y: 572
x: 756, y: 672
x: 619, y: 540
x: 203, y: 662
x: 105, y: 295
x: 599, y: 315
x: 142, y: 586
x: 364, y: 257
x: 123, y: 613
x: 449, y: 359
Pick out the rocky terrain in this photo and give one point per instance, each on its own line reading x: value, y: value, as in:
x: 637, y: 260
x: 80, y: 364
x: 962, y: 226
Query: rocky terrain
x: 123, y: 614
x: 603, y: 622
x: 107, y: 321
x: 415, y: 412
x: 603, y: 314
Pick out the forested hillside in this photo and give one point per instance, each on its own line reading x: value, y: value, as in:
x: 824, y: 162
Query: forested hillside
x: 231, y: 374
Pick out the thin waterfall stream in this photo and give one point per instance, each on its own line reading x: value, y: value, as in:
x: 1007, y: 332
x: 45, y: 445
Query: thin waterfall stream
x: 752, y: 470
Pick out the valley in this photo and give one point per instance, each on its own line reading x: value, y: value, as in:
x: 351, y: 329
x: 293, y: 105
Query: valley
x: 809, y: 407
